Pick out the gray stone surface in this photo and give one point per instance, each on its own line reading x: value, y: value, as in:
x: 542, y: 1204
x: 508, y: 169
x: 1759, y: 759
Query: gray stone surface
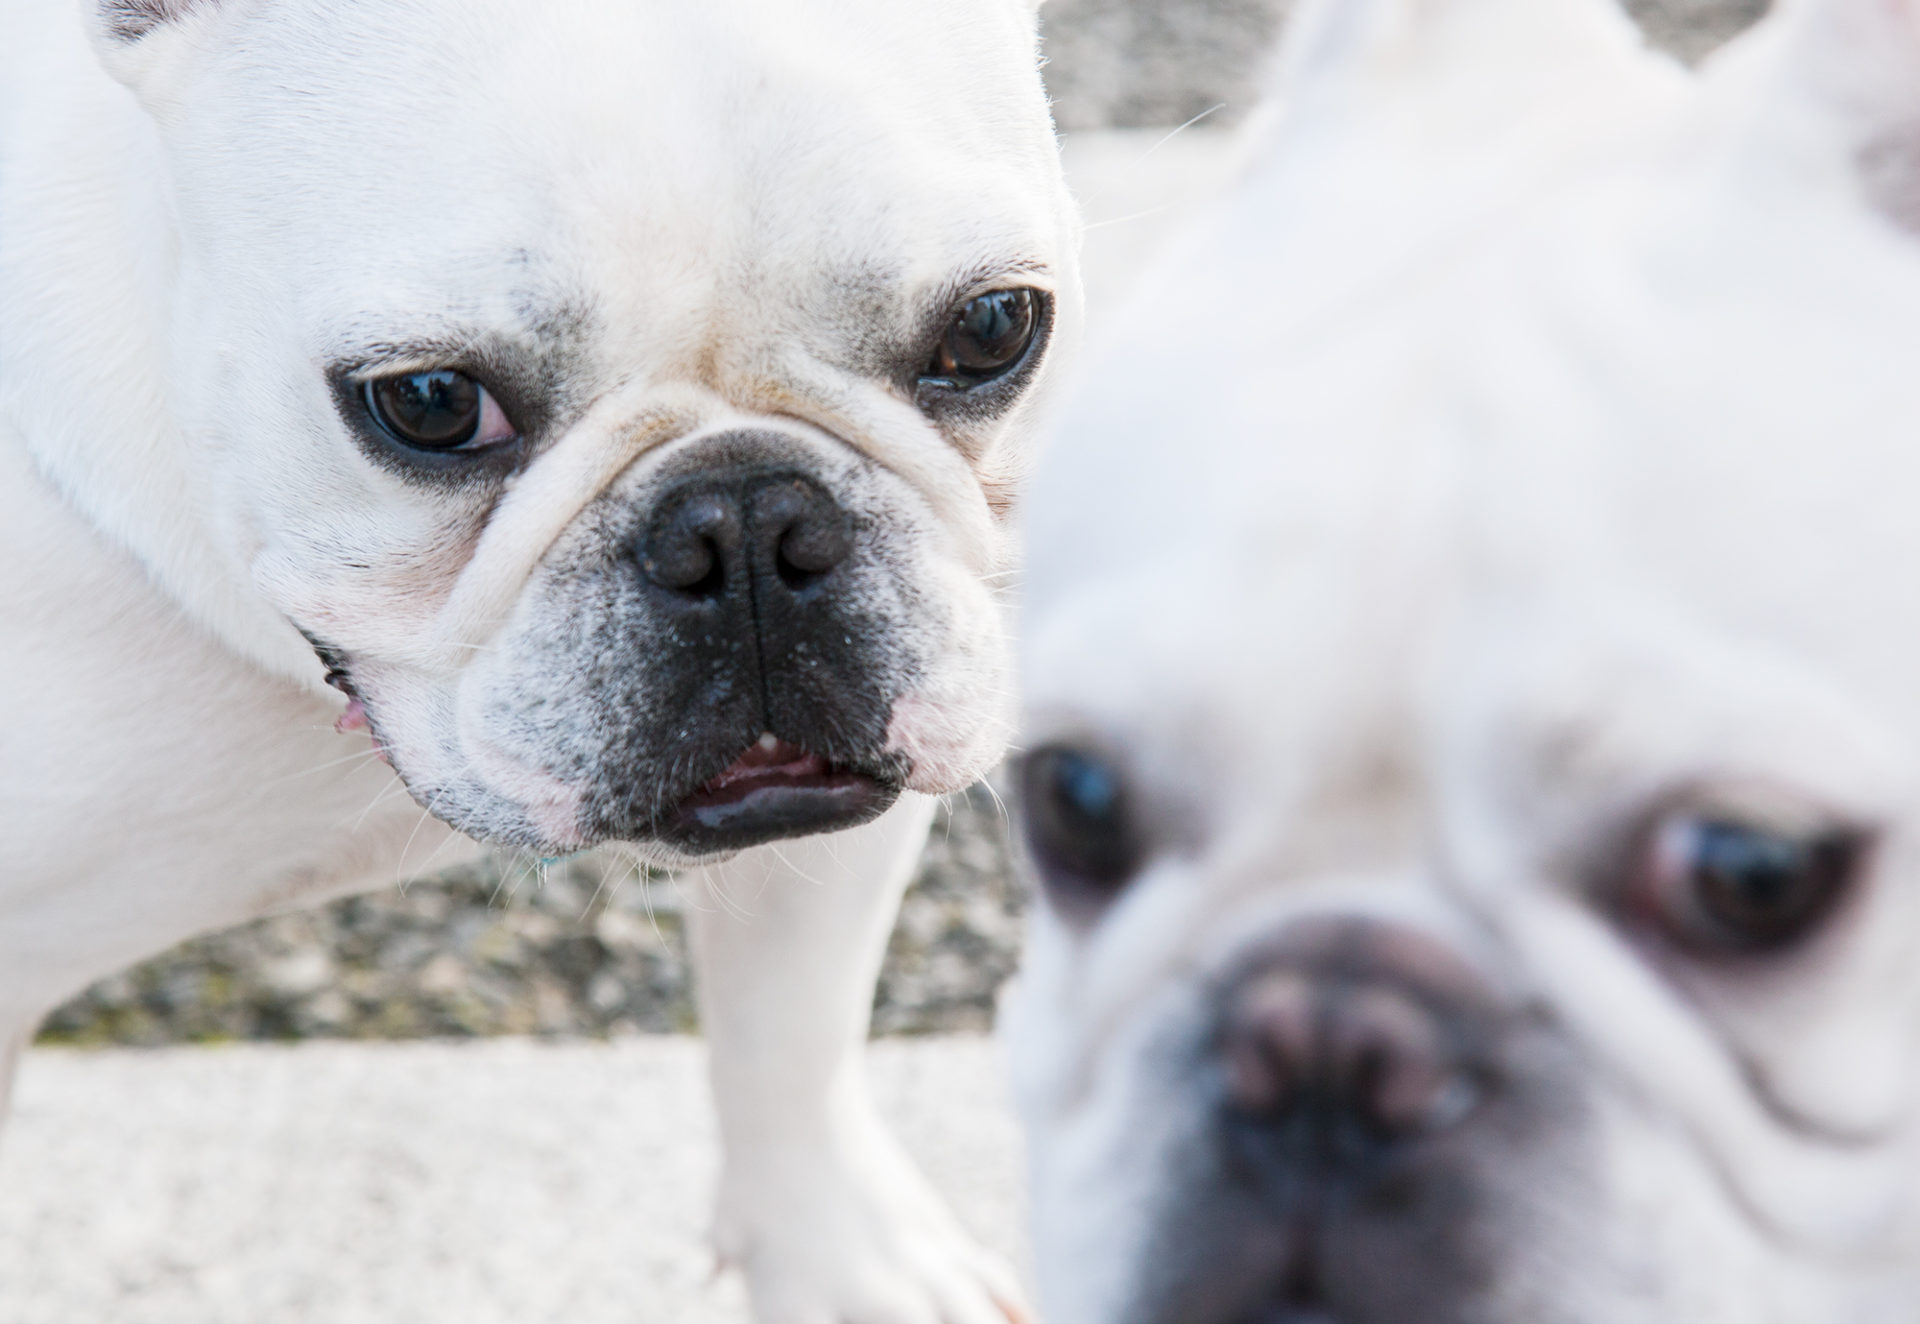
x: 1135, y: 63
x: 502, y: 1181
x: 584, y: 948
x: 1691, y: 28
x: 1162, y: 62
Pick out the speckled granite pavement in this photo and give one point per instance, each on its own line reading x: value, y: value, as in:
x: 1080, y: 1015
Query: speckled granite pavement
x: 584, y: 948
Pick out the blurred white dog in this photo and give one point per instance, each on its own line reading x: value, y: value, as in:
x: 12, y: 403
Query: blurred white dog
x: 1474, y: 678
x: 617, y: 404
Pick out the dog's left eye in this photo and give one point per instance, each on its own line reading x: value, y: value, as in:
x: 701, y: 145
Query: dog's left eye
x: 988, y: 336
x: 1074, y: 807
x: 1718, y: 885
x: 442, y: 410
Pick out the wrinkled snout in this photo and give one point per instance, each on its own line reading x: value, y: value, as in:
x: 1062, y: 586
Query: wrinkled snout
x: 1357, y: 1095
x: 1344, y: 1045
x: 710, y: 657
x: 743, y: 560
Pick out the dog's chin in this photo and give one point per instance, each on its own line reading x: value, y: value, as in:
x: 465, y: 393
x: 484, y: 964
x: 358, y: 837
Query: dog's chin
x: 775, y: 790
x: 772, y: 791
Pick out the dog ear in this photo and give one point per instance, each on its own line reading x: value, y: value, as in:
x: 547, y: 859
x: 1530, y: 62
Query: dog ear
x: 1844, y: 89
x: 1346, y: 51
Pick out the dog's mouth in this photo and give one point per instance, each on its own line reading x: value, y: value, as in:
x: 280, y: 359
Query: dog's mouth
x: 776, y: 789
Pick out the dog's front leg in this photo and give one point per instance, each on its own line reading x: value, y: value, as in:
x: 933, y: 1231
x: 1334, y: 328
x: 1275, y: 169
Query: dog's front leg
x: 819, y: 1207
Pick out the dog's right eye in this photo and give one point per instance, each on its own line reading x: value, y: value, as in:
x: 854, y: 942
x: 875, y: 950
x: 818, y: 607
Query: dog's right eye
x: 988, y: 336
x: 1717, y: 885
x: 1078, y: 826
x: 442, y: 410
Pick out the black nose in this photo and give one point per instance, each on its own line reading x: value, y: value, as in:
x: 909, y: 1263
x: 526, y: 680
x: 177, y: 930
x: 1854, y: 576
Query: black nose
x: 744, y: 532
x: 1347, y: 1041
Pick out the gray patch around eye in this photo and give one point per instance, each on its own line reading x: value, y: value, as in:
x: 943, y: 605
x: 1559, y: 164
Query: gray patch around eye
x: 867, y: 322
x: 131, y: 20
x: 870, y: 326
x: 540, y: 373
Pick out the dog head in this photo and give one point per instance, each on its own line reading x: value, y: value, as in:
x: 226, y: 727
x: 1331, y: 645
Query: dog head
x: 1472, y: 735
x: 623, y: 399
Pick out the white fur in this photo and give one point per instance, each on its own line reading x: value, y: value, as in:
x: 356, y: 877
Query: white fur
x: 1530, y: 435
x: 198, y: 202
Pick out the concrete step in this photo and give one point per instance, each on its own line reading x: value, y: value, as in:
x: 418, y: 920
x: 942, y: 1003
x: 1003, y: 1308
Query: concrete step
x: 503, y: 1180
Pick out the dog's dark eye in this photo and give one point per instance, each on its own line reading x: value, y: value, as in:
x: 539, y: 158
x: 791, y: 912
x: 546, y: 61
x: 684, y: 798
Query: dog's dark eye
x: 1074, y: 808
x: 441, y: 410
x: 988, y: 336
x: 1721, y: 886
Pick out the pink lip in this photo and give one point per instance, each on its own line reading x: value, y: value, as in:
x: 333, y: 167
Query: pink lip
x: 774, y: 789
x: 766, y: 763
x: 355, y: 719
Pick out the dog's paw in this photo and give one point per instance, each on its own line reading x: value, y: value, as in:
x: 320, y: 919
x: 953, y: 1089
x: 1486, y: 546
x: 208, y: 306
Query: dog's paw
x: 849, y: 1232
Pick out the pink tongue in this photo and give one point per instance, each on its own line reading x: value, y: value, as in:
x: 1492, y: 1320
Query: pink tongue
x: 770, y: 755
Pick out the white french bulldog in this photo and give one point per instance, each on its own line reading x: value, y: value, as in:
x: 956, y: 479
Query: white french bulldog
x: 618, y: 404
x: 1473, y: 654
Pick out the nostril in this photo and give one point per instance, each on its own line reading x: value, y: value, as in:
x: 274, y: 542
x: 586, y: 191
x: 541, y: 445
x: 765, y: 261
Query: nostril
x: 710, y: 582
x: 808, y: 552
x: 1394, y: 1064
x: 687, y: 565
x: 1269, y: 1043
x: 1367, y: 1059
x: 809, y: 531
x: 687, y: 551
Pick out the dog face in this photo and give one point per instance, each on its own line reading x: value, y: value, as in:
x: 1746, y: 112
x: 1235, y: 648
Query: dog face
x: 623, y: 399
x: 1472, y: 735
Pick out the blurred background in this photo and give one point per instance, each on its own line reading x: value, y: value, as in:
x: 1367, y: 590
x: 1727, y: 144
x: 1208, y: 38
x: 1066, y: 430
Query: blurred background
x: 591, y: 948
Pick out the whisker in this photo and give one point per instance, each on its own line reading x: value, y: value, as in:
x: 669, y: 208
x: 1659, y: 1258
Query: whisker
x: 358, y: 756
x: 598, y: 888
x: 381, y: 794
x: 791, y: 867
x: 691, y: 897
x: 1006, y: 818
x: 646, y: 901
x: 1177, y: 131
x: 1130, y: 216
x: 719, y: 893
x: 421, y: 871
x: 503, y: 885
x: 425, y: 814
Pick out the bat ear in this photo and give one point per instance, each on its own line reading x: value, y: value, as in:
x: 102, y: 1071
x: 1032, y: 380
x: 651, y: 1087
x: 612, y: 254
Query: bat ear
x: 1348, y: 53
x: 141, y: 41
x: 1840, y: 99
